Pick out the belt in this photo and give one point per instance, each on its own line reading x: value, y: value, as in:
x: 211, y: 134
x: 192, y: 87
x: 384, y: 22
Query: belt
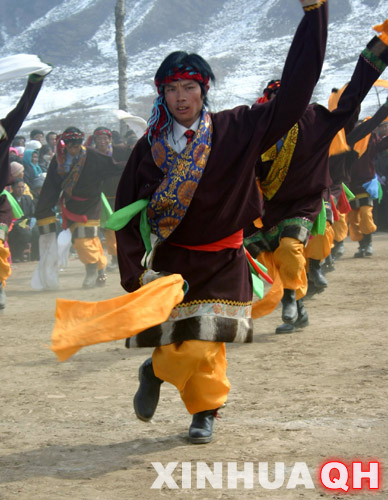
x: 235, y: 240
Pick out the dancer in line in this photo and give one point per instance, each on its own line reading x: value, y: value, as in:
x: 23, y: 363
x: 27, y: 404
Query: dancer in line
x: 194, y: 172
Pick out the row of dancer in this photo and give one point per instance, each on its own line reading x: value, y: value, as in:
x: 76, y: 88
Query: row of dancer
x: 201, y: 194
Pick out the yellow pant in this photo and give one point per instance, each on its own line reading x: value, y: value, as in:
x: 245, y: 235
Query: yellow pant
x: 5, y: 268
x: 361, y: 222
x: 90, y: 251
x: 287, y: 267
x: 197, y: 368
x: 110, y: 241
x: 340, y: 228
x: 319, y: 246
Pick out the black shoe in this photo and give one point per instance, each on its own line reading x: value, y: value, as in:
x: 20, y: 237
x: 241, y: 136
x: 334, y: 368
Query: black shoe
x: 303, y: 318
x: 285, y: 328
x: 360, y: 253
x: 290, y: 310
x: 316, y: 275
x: 312, y: 290
x: 146, y: 398
x: 301, y: 322
x: 201, y: 428
x: 101, y: 278
x: 91, y: 276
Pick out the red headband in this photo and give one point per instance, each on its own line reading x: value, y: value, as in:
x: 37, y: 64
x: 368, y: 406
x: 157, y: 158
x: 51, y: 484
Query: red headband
x: 268, y: 91
x: 104, y: 131
x: 72, y: 136
x: 181, y: 74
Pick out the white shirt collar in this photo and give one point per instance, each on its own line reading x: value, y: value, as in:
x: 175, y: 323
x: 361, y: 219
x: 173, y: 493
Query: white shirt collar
x: 179, y: 130
x: 176, y: 137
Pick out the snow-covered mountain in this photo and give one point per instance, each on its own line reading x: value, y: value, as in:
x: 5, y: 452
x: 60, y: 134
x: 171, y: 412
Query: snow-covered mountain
x: 245, y: 41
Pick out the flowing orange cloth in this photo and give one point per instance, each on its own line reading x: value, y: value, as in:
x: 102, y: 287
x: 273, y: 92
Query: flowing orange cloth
x: 5, y: 268
x: 286, y: 266
x: 81, y: 323
x: 90, y: 251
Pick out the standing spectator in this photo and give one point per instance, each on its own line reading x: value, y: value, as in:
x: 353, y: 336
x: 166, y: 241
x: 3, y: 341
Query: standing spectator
x: 19, y: 140
x: 37, y: 135
x: 51, y: 140
x: 45, y: 156
x: 31, y: 165
x: 24, y: 233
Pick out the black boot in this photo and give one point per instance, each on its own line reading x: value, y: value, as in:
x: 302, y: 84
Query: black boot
x: 328, y: 265
x: 338, y: 250
x: 301, y: 322
x: 201, y: 428
x: 368, y: 249
x: 316, y: 275
x: 101, y: 278
x: 91, y: 276
x: 361, y: 249
x: 303, y: 318
x: 290, y: 310
x: 146, y: 398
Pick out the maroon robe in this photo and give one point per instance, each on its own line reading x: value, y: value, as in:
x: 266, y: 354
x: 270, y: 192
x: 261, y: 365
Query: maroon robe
x: 308, y: 180
x: 86, y: 193
x: 225, y: 201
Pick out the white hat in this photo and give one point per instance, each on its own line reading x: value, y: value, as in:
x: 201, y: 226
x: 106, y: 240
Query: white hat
x: 33, y: 144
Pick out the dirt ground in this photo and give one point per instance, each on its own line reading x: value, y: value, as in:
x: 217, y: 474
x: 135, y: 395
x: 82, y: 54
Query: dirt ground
x: 68, y: 430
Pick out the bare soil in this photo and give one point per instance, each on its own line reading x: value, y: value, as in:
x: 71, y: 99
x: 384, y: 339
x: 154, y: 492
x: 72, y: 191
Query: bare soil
x: 68, y: 430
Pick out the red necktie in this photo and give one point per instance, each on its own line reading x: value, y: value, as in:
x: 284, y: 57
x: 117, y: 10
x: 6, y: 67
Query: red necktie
x: 189, y: 135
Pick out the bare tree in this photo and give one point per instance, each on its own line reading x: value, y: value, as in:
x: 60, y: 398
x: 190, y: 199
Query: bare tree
x: 121, y: 59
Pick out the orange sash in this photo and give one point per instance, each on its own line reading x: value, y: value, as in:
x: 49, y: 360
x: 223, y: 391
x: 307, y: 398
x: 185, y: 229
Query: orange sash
x: 81, y: 323
x: 235, y: 240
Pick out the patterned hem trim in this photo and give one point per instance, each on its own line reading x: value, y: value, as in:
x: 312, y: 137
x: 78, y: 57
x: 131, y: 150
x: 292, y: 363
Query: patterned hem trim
x: 312, y: 5
x: 212, y: 301
x: 206, y: 328
x: 226, y: 309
